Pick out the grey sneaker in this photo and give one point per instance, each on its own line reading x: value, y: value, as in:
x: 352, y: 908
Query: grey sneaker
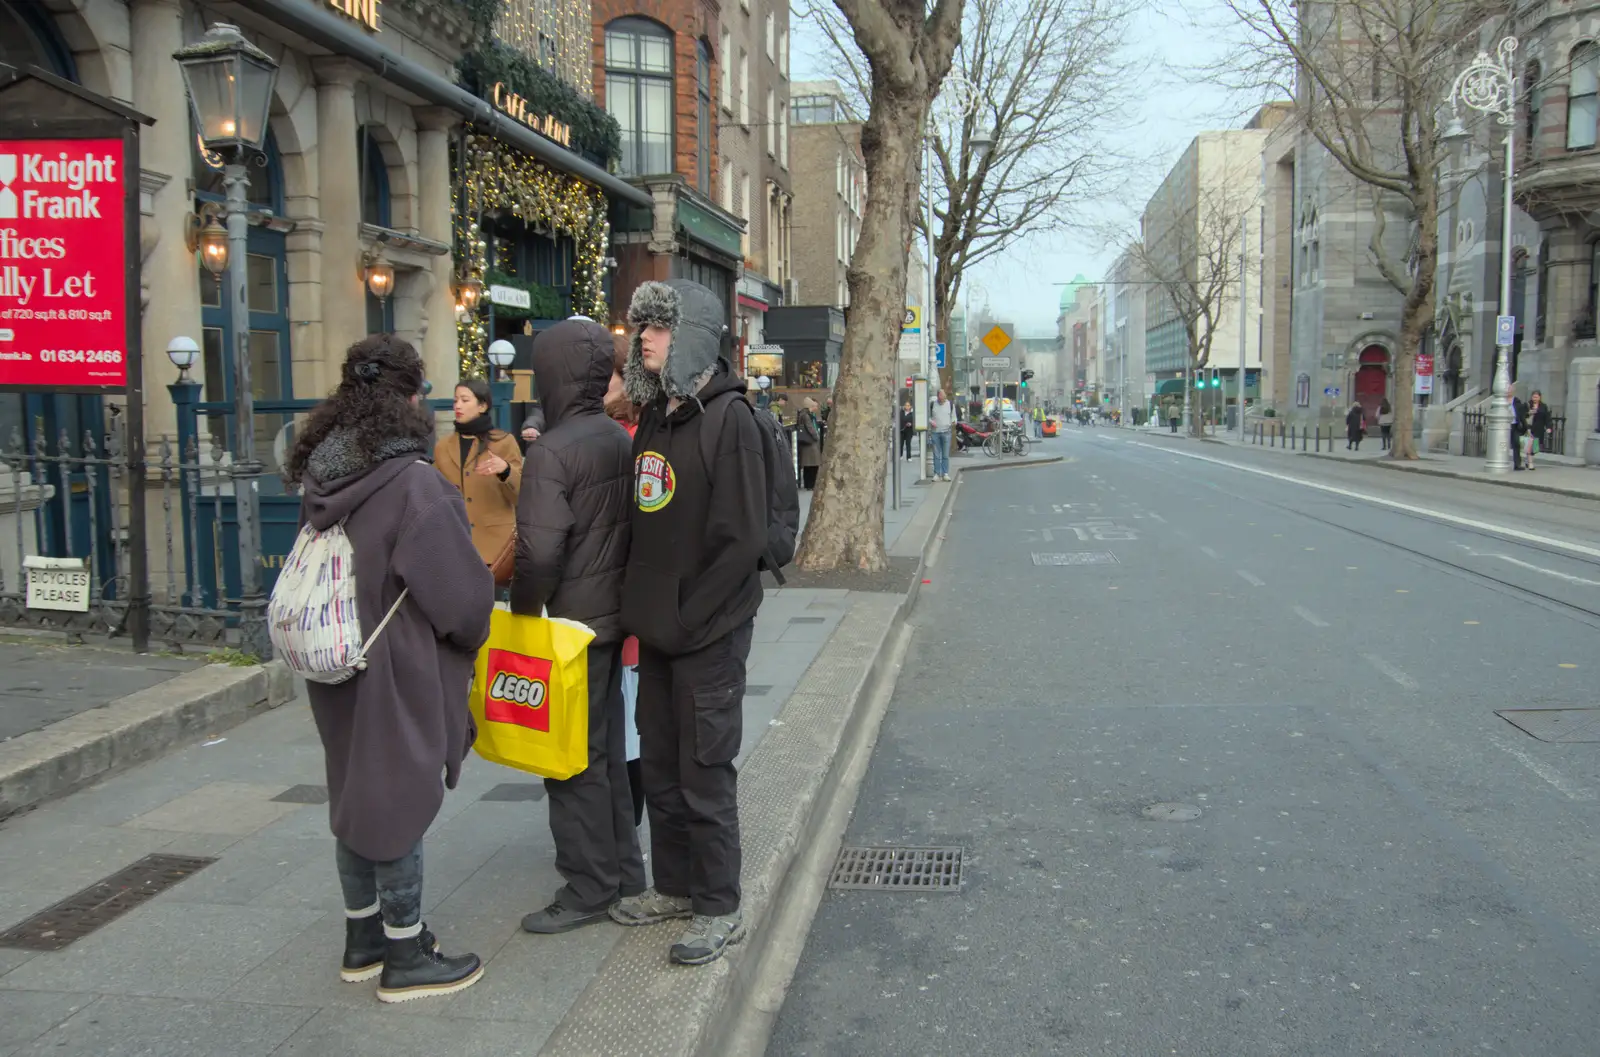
x: 650, y: 908
x: 707, y: 938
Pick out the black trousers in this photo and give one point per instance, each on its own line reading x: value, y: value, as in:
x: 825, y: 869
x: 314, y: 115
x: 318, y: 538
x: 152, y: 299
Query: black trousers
x: 691, y: 724
x: 591, y: 813
x: 905, y: 443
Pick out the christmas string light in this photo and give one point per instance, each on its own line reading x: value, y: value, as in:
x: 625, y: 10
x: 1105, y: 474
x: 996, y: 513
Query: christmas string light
x: 495, y: 178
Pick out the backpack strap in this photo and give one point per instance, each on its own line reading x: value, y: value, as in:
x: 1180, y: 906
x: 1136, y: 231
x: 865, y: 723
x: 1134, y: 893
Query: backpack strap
x: 361, y: 661
x: 715, y: 415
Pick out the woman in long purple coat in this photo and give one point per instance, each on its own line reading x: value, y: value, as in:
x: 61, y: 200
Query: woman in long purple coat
x: 396, y: 734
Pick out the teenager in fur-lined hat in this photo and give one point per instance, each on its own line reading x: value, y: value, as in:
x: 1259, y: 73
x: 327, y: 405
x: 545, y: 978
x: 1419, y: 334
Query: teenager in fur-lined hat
x: 690, y: 594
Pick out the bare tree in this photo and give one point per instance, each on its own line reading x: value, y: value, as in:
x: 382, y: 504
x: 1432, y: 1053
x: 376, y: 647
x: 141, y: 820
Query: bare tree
x: 1189, y: 253
x: 907, y: 49
x: 1370, y: 80
x: 1048, y: 82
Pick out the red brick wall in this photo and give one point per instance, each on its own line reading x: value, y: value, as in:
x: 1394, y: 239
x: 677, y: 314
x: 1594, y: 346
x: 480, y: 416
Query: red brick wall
x: 690, y: 21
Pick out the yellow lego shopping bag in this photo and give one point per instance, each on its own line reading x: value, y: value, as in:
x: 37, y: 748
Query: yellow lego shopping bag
x: 530, y: 694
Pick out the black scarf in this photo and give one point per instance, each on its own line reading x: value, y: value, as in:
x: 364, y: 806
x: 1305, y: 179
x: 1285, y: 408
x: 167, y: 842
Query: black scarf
x: 471, y: 431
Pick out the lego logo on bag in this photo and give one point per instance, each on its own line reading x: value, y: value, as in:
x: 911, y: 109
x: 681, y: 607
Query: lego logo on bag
x: 517, y: 690
x: 519, y: 687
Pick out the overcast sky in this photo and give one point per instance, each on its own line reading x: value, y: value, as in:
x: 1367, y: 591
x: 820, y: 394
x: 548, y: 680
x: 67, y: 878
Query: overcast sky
x: 1018, y: 285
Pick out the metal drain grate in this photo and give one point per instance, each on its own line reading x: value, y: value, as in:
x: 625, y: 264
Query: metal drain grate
x: 101, y: 903
x: 1562, y: 725
x: 808, y: 620
x: 1076, y: 558
x: 515, y: 792
x: 303, y: 794
x: 897, y: 869
x: 759, y: 690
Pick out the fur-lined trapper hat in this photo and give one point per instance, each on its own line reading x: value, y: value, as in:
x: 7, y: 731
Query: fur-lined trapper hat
x: 700, y: 338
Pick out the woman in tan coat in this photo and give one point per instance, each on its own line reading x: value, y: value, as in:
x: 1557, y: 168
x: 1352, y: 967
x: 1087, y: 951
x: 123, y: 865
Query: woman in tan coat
x: 486, y: 464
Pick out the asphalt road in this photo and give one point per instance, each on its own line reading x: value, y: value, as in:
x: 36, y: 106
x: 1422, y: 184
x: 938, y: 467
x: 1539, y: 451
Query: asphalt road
x: 1380, y: 864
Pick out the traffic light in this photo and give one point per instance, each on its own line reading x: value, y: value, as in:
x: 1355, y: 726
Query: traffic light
x: 1025, y: 376
x: 1200, y: 381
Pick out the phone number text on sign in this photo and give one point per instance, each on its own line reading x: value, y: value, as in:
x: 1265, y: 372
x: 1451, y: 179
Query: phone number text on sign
x: 63, y: 285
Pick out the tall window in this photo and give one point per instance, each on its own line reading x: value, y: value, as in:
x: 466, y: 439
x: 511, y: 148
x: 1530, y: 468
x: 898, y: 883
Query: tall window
x: 1535, y: 95
x: 772, y: 37
x: 772, y: 122
x: 1541, y: 301
x: 783, y: 53
x: 744, y: 89
x: 639, y: 93
x: 783, y: 137
x: 725, y: 78
x: 1582, y: 97
x: 702, y: 115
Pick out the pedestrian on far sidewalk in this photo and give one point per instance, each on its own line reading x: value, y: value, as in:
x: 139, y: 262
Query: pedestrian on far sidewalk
x: 1519, y: 425
x: 1538, y: 414
x: 808, y: 436
x: 941, y: 420
x: 394, y: 736
x: 573, y: 527
x: 1355, y: 426
x: 1385, y: 421
x: 908, y: 429
x: 691, y: 592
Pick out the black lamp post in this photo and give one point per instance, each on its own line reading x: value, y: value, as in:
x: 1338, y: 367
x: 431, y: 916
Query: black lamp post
x: 230, y: 82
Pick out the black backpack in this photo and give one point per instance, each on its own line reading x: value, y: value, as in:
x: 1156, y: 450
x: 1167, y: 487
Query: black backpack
x: 783, y: 490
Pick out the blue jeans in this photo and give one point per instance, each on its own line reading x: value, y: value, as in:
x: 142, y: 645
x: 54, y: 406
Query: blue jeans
x: 941, y: 452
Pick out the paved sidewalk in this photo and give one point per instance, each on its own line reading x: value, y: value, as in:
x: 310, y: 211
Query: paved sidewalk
x: 45, y: 680
x: 240, y: 958
x: 1560, y: 474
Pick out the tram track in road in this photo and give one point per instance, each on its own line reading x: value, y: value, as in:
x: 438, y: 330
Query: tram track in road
x: 1584, y: 556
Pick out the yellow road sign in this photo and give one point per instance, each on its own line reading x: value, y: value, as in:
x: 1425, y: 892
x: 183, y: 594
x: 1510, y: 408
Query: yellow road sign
x: 996, y: 340
x: 913, y: 321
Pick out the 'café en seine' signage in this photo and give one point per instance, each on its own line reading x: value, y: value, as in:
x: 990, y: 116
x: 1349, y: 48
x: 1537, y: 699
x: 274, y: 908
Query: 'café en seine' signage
x: 362, y: 11
x: 513, y: 105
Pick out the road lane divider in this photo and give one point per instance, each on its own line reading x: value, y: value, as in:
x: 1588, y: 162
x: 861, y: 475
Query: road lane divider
x: 1393, y: 504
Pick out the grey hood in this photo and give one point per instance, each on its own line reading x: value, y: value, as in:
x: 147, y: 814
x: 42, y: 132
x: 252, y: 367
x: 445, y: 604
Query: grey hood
x: 698, y: 321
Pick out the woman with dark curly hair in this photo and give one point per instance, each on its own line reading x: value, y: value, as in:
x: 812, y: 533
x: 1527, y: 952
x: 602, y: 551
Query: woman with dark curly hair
x: 395, y: 735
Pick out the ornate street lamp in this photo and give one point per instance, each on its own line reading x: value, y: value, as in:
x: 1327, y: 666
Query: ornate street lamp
x: 230, y: 83
x: 1489, y: 86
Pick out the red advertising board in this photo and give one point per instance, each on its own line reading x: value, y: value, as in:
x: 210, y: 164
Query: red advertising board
x: 63, y: 264
x: 1424, y: 373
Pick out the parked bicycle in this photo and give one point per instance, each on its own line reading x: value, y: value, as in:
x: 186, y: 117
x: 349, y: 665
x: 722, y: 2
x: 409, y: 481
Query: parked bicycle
x: 1008, y: 441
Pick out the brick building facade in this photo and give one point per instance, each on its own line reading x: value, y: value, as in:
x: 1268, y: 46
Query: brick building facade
x: 656, y: 70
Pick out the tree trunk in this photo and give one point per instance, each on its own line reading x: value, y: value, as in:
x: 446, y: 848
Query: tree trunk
x: 845, y: 526
x: 947, y: 373
x: 1415, y: 318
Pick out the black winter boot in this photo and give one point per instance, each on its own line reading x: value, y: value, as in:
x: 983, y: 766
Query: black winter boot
x: 365, y: 947
x: 412, y: 969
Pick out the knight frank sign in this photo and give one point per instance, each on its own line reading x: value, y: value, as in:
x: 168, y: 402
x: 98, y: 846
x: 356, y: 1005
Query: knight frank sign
x: 63, y: 263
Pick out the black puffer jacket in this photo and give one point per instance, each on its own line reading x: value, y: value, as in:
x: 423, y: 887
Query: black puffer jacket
x: 572, y: 514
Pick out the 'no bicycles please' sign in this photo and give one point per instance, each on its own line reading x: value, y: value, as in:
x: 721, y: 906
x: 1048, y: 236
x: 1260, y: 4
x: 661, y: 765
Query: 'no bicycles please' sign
x: 63, y: 293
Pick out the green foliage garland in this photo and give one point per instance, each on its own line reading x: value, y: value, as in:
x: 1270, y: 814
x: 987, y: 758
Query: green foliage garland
x: 546, y: 302
x: 594, y: 132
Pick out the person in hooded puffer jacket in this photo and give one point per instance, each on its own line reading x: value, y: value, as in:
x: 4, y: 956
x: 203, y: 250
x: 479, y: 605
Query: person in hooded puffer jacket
x: 691, y: 593
x: 572, y: 547
x: 394, y: 736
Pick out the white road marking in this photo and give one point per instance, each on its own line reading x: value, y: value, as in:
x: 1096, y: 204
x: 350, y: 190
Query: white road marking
x: 1158, y: 517
x: 1548, y: 572
x: 1310, y: 617
x: 1562, y: 784
x: 1209, y: 553
x: 1251, y: 578
x: 1391, y: 671
x: 1393, y: 504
